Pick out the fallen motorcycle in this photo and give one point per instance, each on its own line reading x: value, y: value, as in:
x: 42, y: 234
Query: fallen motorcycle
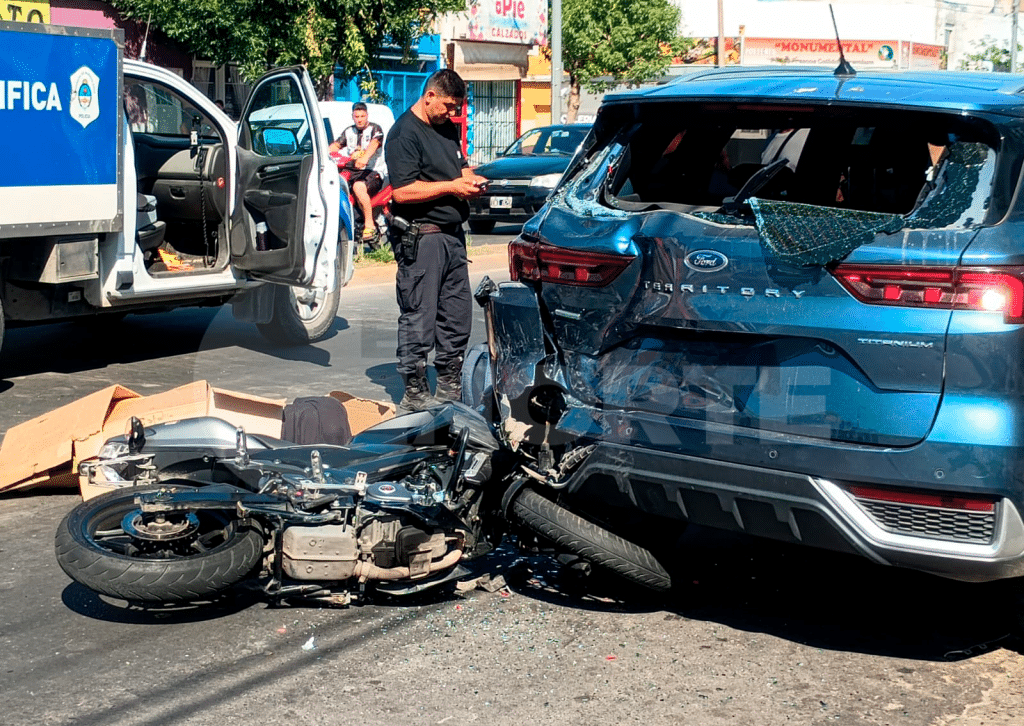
x: 199, y: 506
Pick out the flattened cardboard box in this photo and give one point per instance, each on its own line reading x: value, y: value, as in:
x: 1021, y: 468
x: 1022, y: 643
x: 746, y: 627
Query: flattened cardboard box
x: 47, y: 449
x: 363, y: 412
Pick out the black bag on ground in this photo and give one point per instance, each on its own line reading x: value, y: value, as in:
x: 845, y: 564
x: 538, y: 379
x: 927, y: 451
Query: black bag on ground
x: 316, y: 420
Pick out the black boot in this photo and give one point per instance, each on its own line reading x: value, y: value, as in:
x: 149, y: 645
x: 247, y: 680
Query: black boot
x: 417, y: 391
x: 449, y: 381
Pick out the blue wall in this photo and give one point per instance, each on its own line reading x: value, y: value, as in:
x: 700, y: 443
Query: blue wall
x: 402, y: 85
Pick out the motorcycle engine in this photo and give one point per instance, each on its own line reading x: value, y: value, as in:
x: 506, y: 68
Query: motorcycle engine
x: 376, y: 545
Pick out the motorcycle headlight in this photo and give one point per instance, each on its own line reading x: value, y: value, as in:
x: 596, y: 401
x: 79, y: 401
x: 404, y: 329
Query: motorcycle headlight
x: 116, y: 471
x: 547, y: 181
x: 113, y: 450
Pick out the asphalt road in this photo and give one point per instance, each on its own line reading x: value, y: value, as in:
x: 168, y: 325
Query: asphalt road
x: 754, y: 632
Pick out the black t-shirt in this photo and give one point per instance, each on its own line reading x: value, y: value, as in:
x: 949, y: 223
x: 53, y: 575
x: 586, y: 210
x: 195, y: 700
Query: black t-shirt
x: 416, y: 150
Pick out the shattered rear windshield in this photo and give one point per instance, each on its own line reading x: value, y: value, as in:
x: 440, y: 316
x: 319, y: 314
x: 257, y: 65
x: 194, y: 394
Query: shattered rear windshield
x: 817, y: 182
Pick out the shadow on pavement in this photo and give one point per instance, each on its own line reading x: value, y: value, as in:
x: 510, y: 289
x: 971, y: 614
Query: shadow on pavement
x: 74, y: 347
x: 386, y: 375
x: 177, y: 699
x: 835, y: 601
x: 810, y: 597
x: 816, y: 599
x: 85, y: 602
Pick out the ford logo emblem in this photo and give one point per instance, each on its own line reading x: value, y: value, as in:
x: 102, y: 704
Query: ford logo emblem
x: 706, y: 261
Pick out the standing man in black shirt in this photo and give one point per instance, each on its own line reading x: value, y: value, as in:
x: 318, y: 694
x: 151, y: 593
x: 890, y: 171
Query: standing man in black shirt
x: 432, y: 181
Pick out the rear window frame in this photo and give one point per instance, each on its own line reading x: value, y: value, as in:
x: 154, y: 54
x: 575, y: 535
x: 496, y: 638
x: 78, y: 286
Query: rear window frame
x: 620, y: 121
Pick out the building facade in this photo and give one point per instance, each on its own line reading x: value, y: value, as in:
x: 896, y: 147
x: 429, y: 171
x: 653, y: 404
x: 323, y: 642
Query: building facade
x: 489, y: 45
x: 398, y: 78
x: 897, y: 34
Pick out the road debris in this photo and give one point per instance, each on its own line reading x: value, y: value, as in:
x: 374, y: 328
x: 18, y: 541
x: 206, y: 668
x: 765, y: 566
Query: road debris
x: 484, y: 582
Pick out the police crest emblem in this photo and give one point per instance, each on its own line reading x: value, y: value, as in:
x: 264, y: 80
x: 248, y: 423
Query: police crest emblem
x: 85, y: 101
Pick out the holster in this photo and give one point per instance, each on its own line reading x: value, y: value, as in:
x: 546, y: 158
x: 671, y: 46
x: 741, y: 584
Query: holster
x: 405, y: 239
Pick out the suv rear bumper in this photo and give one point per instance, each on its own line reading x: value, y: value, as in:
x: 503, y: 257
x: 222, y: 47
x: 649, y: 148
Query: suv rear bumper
x: 796, y: 508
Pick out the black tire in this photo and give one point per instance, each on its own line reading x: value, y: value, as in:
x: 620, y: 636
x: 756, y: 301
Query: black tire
x: 303, y: 315
x: 481, y: 226
x: 591, y: 542
x: 106, y: 563
x: 1, y: 320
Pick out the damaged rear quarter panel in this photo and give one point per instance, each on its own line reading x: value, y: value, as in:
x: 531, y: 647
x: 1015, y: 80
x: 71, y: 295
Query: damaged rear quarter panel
x: 516, y: 337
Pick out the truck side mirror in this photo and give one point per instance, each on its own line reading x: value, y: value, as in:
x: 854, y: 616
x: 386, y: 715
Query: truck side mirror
x: 277, y: 141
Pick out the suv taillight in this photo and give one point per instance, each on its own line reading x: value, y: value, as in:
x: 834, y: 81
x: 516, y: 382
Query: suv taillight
x: 990, y: 289
x: 531, y: 261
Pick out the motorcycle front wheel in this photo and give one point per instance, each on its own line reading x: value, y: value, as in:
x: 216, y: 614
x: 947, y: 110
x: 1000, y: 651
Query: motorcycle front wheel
x: 109, y: 545
x: 595, y: 544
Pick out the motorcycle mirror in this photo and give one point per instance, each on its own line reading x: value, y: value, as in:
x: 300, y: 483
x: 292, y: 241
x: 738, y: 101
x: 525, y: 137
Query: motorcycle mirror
x: 136, y: 436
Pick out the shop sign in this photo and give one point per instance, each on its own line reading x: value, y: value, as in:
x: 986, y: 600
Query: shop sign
x: 860, y: 53
x: 24, y: 12
x: 524, y: 22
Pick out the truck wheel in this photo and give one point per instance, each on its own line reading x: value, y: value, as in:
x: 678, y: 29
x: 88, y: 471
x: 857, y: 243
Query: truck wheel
x: 1, y: 323
x: 302, y: 315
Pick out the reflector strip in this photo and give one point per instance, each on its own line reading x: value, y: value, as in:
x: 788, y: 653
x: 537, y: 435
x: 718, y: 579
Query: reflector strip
x: 942, y: 501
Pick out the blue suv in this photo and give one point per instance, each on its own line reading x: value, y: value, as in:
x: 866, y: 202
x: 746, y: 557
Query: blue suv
x: 784, y: 302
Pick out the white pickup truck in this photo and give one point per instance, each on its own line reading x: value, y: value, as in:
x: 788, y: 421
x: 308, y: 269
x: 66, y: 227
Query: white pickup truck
x: 126, y: 190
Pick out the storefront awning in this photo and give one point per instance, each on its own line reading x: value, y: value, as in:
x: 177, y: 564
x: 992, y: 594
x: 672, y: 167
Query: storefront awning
x: 480, y: 61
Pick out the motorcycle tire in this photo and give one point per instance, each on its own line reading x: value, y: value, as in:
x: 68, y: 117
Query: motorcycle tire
x: 589, y: 541
x: 94, y: 550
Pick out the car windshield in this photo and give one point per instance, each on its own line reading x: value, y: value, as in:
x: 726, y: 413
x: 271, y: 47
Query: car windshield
x: 547, y: 141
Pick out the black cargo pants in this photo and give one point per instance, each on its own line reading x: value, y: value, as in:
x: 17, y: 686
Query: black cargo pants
x: 434, y: 300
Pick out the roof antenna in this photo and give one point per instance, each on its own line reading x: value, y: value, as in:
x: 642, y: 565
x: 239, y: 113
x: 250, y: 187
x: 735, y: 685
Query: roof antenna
x: 145, y: 39
x: 844, y: 70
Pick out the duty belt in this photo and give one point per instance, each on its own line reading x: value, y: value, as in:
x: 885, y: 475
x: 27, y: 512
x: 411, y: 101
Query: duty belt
x: 449, y: 229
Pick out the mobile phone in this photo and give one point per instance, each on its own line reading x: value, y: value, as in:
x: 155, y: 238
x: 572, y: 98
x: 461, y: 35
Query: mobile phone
x: 484, y: 184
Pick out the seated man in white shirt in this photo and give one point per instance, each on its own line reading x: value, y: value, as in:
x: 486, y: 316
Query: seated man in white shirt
x: 362, y: 142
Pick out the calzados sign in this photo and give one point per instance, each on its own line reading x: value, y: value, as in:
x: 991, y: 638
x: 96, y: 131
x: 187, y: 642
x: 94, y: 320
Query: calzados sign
x: 24, y: 12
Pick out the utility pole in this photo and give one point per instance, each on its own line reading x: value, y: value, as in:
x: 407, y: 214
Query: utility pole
x: 556, y: 61
x: 720, y: 52
x: 1013, y: 38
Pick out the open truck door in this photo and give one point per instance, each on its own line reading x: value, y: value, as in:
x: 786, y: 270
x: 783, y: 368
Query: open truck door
x: 285, y: 223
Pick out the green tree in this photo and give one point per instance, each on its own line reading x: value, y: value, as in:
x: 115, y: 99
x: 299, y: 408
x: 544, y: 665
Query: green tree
x: 258, y: 34
x: 989, y: 52
x: 607, y: 42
